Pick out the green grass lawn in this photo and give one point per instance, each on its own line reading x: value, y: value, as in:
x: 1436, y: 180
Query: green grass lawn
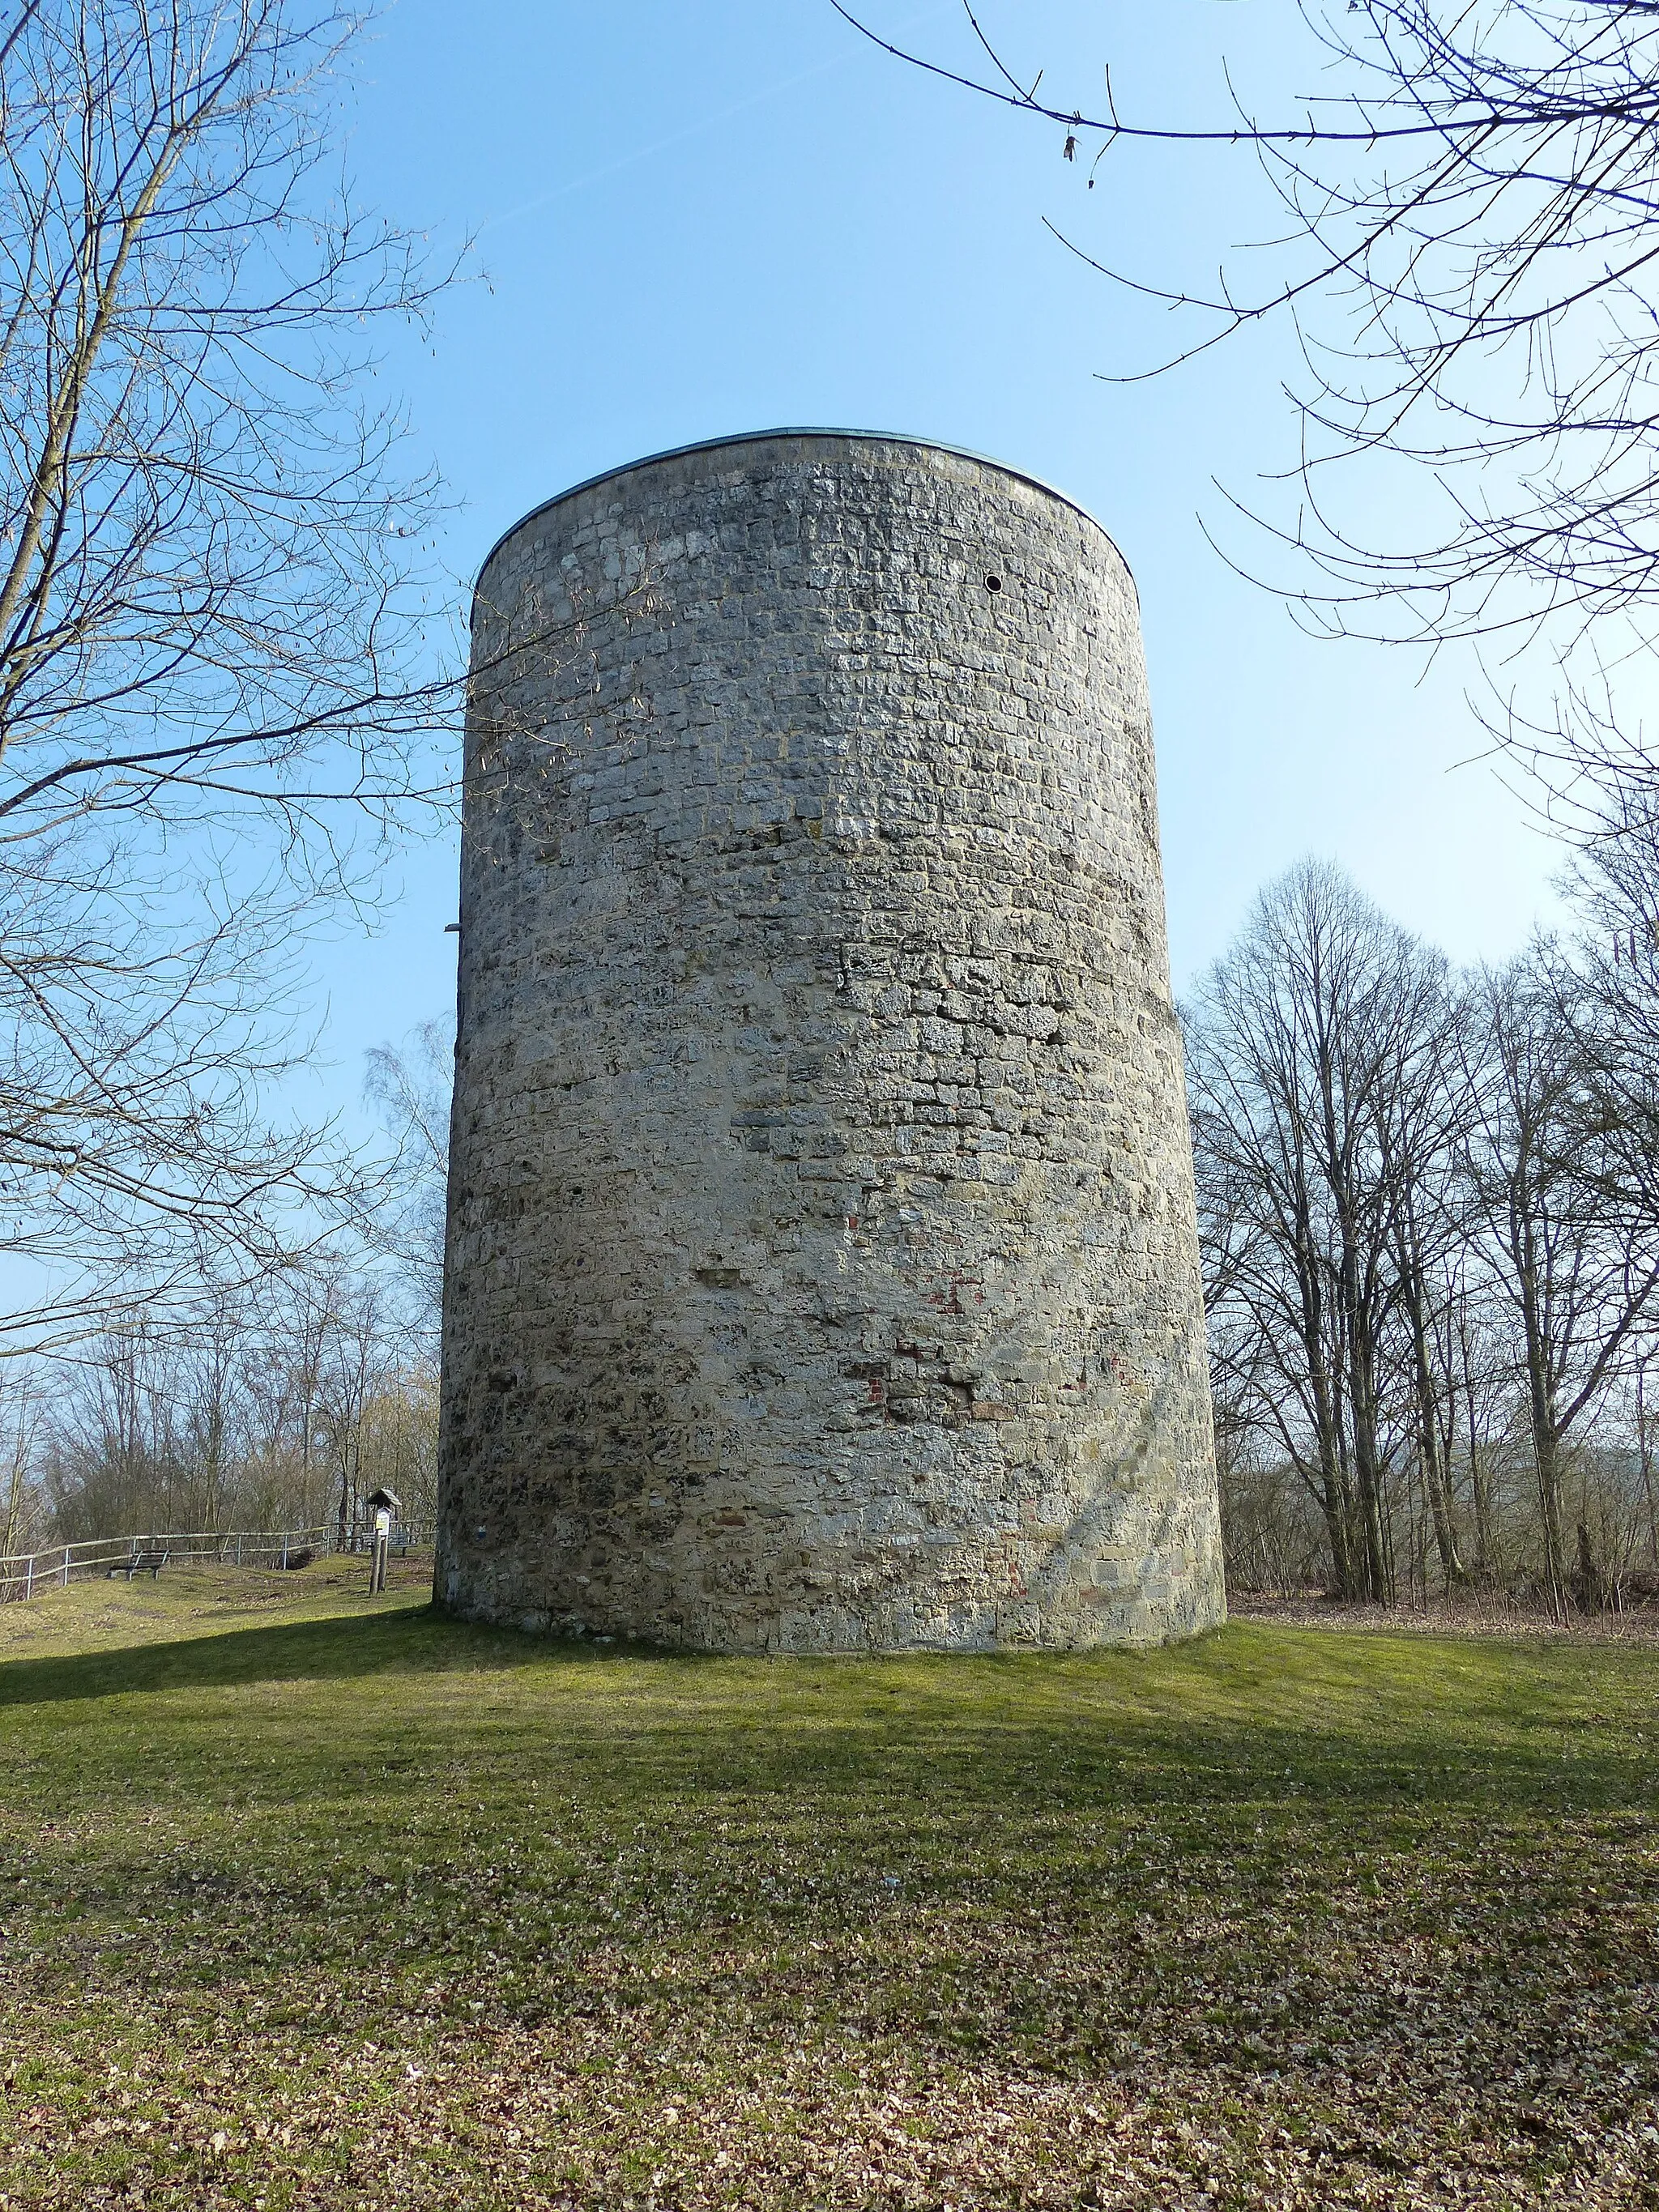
x: 307, y: 1900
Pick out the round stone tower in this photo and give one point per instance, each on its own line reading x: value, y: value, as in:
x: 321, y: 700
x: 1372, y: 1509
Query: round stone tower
x: 823, y: 1272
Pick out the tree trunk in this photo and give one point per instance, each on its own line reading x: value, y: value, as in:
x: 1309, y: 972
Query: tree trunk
x: 1547, y: 1451
x: 1645, y: 1444
x: 1336, y: 1507
x: 1436, y: 1483
x: 1335, y: 1502
x: 1367, y: 1474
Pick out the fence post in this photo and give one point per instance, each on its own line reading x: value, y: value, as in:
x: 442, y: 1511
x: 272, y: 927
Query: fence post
x: 66, y: 1553
x: 28, y: 1579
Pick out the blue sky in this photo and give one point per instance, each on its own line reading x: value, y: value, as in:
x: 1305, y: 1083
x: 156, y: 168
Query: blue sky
x: 697, y: 219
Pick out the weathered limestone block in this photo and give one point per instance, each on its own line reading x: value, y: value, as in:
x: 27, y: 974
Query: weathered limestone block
x: 823, y: 1272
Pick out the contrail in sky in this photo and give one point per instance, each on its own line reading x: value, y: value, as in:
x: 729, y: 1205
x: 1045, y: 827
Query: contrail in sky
x: 690, y: 130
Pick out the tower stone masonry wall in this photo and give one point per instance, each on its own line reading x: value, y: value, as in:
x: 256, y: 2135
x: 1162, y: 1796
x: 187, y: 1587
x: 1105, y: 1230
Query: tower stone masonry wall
x: 823, y: 1270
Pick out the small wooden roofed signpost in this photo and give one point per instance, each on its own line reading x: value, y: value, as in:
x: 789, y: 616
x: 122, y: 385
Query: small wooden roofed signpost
x: 386, y: 1506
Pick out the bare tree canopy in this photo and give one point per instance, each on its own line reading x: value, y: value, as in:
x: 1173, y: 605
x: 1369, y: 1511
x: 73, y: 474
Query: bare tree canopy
x: 1316, y: 1062
x: 282, y: 1407
x: 215, y: 699
x: 205, y: 600
x: 1579, y: 1273
x: 412, y: 1087
x: 1431, y: 1245
x: 1469, y: 255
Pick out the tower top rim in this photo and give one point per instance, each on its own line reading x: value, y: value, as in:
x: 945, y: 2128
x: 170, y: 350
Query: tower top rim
x: 804, y: 431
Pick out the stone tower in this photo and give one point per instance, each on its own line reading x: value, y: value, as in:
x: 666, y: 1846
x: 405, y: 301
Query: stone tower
x: 823, y: 1272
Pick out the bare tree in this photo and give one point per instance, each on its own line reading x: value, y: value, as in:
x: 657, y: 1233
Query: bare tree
x: 412, y: 1086
x: 1317, y: 1054
x: 1433, y: 1231
x: 110, y: 1462
x: 303, y: 1307
x: 1643, y: 1422
x: 1607, y: 995
x: 276, y: 1406
x: 213, y: 705
x: 1477, y: 1357
x: 356, y: 1368
x: 1466, y: 249
x: 1277, y: 1358
x: 1578, y: 1270
x: 22, y: 1407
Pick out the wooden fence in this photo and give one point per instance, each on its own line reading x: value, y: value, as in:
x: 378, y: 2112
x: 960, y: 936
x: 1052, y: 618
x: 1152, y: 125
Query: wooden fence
x: 26, y: 1574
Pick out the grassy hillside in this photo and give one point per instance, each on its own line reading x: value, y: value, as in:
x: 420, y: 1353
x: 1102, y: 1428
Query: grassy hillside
x: 311, y: 1900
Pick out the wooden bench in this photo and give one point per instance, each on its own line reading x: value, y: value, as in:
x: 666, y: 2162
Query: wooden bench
x: 140, y: 1563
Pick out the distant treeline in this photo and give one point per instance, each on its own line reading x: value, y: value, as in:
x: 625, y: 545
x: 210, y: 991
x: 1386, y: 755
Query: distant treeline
x: 277, y: 1401
x: 282, y: 1408
x: 1428, y: 1209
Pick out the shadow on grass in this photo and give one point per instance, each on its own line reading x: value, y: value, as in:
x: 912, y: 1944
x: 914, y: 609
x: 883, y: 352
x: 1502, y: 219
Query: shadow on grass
x: 410, y: 1640
x: 1291, y: 1721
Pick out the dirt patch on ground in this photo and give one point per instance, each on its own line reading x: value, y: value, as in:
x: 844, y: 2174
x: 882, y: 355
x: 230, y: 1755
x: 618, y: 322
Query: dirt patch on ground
x: 1468, y: 1616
